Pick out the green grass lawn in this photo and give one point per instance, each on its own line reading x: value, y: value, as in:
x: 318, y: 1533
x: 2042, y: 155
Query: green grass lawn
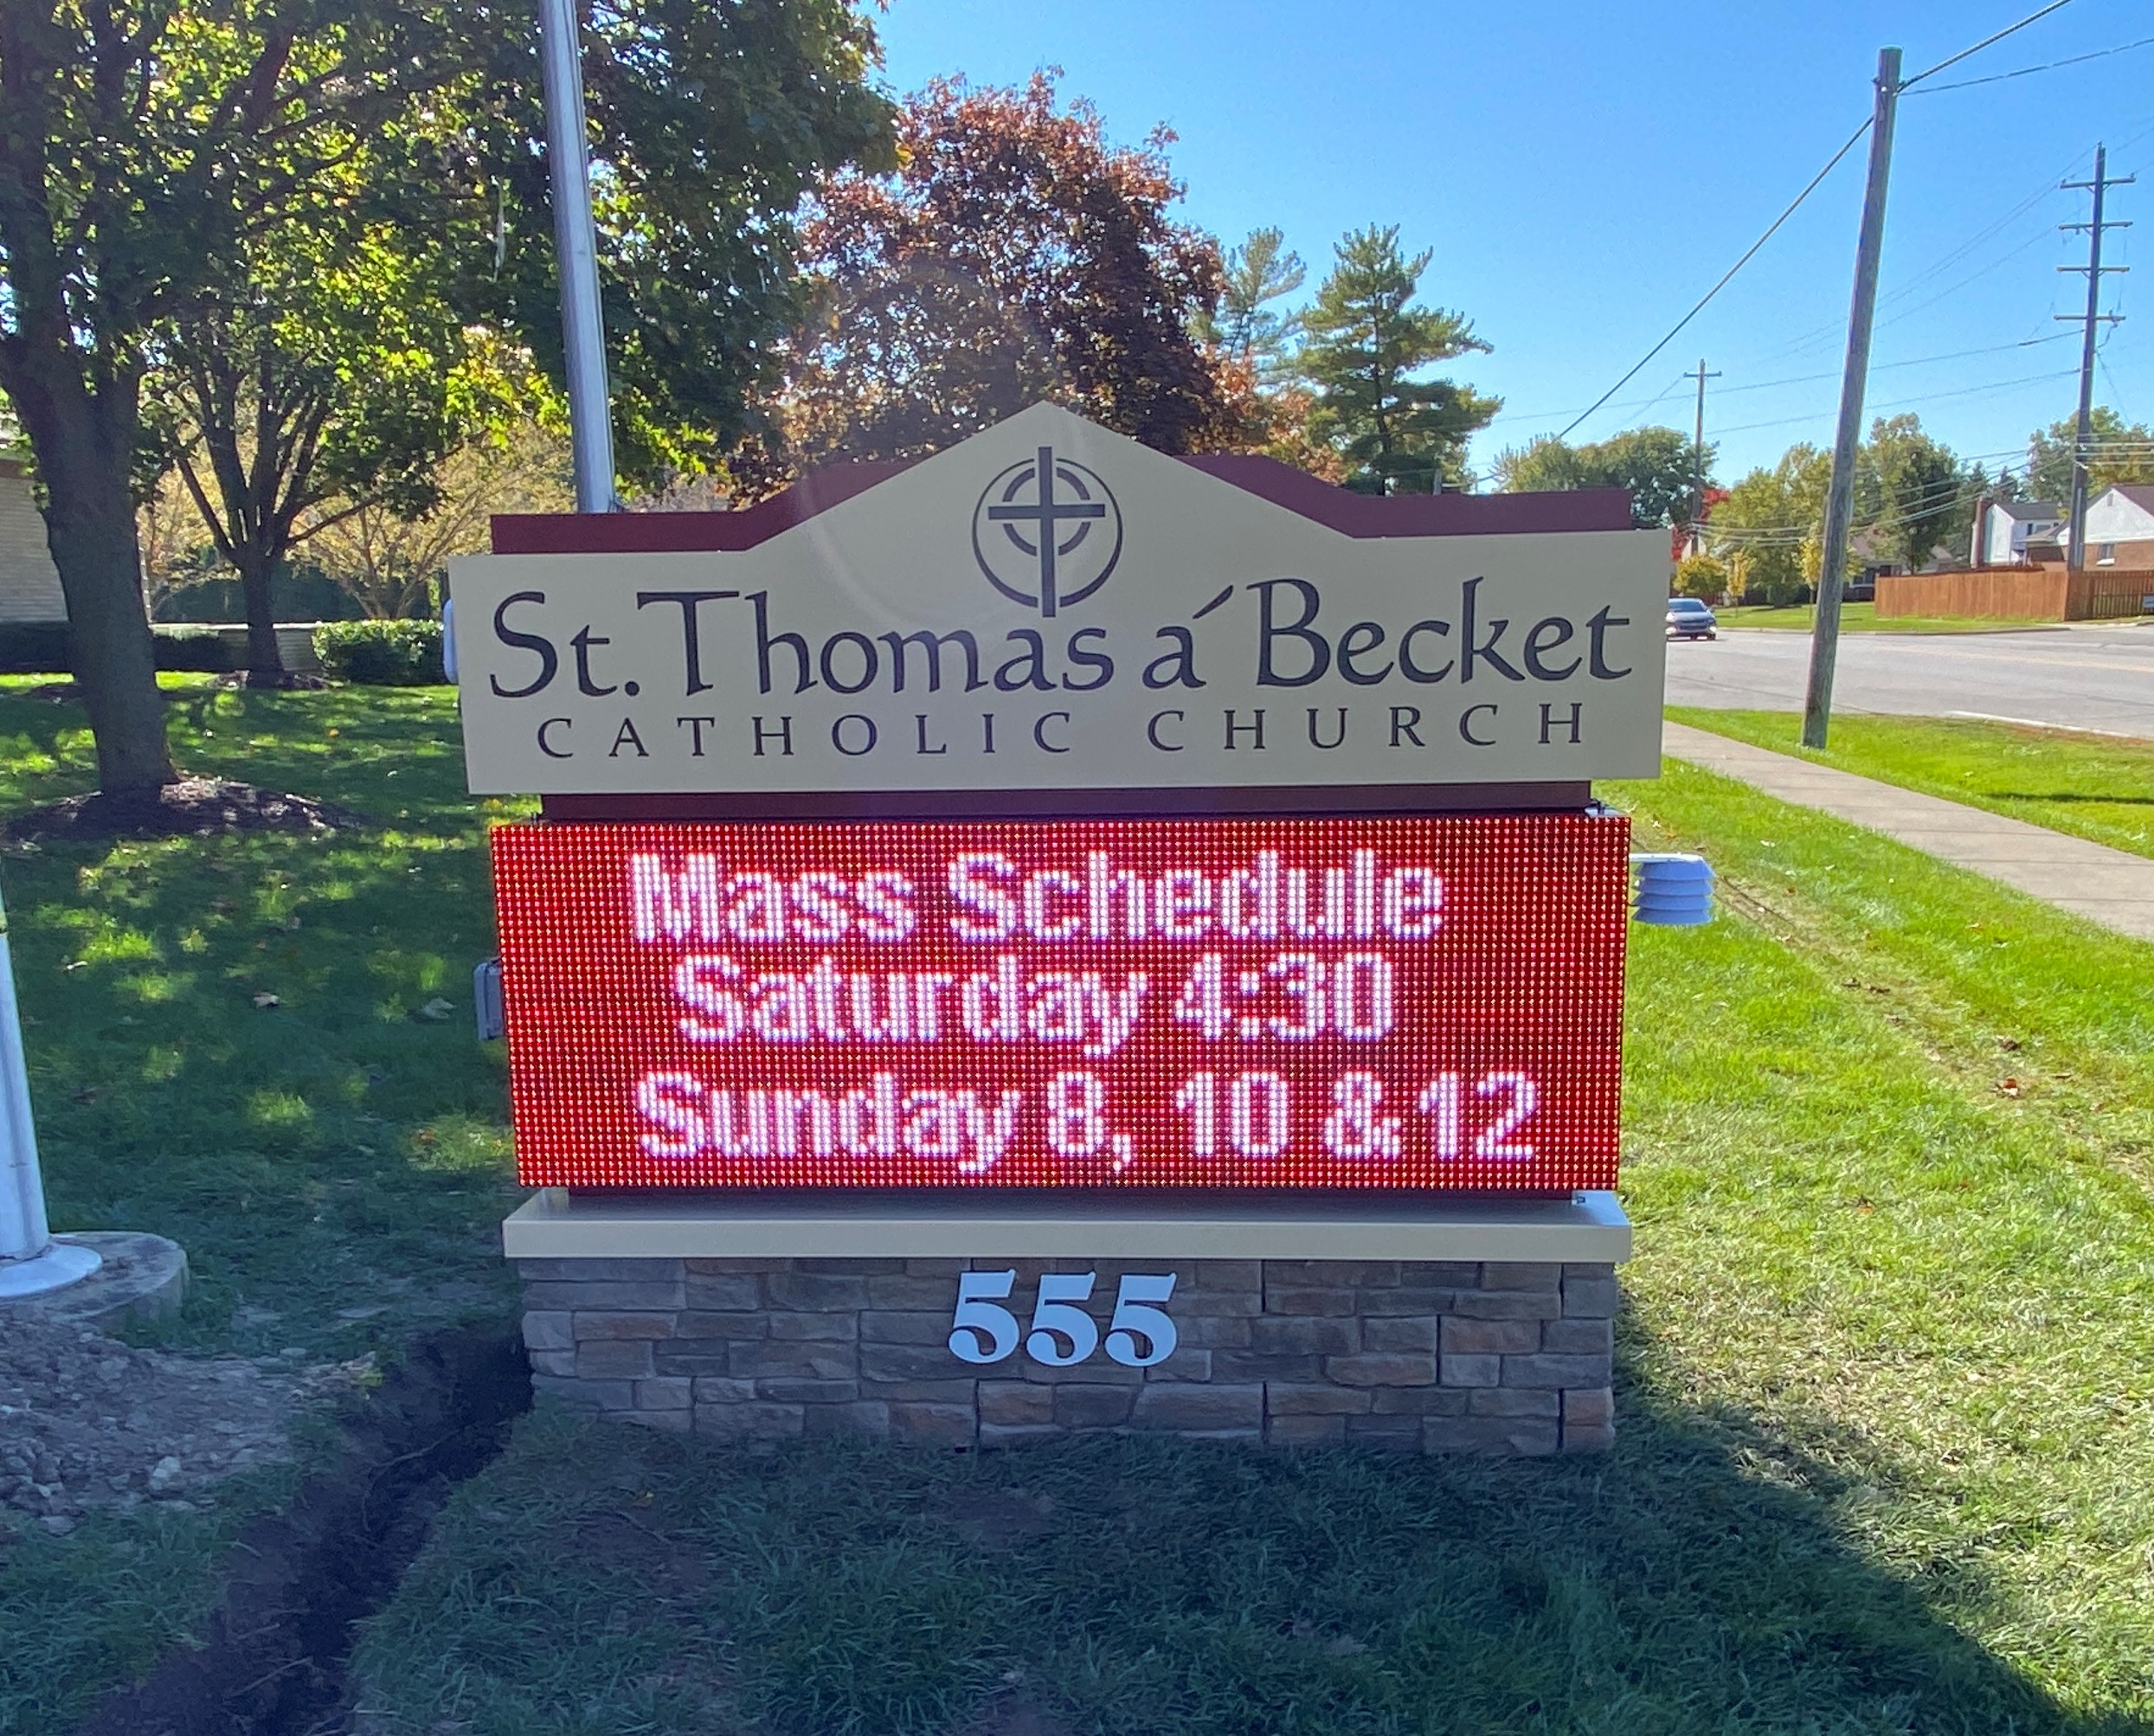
x: 1886, y: 1453
x: 1862, y: 618
x: 2095, y: 787
x: 335, y: 1165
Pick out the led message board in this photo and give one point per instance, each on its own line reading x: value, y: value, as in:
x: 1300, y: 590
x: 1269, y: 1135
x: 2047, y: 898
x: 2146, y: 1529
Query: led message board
x: 1398, y: 1003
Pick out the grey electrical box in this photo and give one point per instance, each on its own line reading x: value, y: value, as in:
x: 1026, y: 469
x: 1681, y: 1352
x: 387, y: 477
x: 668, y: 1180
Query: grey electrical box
x: 485, y: 994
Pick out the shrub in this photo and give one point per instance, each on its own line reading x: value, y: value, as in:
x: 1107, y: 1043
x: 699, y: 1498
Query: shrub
x: 203, y: 650
x: 33, y: 648
x: 1703, y: 575
x: 381, y: 653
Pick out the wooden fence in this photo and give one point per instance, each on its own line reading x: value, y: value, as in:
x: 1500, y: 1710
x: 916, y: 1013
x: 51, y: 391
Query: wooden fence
x: 2014, y: 594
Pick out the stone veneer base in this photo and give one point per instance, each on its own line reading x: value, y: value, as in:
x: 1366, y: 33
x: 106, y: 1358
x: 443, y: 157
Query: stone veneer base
x: 1439, y: 1354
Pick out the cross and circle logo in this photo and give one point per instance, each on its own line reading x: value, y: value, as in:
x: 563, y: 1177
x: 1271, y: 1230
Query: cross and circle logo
x: 1046, y: 532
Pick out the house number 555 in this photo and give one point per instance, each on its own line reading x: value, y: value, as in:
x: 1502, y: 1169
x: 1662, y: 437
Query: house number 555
x: 1062, y: 1333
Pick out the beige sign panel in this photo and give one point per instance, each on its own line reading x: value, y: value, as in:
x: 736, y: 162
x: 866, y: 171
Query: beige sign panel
x: 1052, y: 606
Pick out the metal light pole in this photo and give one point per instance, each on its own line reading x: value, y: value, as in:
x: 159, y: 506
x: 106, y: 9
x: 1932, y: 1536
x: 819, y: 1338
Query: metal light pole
x: 1824, y: 648
x: 575, y: 249
x: 31, y: 1262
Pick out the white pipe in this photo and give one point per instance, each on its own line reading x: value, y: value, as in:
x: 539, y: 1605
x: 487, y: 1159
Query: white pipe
x: 24, y: 1233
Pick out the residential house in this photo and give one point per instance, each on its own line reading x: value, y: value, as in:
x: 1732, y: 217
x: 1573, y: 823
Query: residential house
x: 29, y: 584
x: 2121, y: 528
x: 2016, y: 533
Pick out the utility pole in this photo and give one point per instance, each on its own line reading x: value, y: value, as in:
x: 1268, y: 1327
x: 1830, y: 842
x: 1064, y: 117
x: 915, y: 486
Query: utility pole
x: 1824, y: 645
x: 2076, y: 547
x: 576, y: 254
x: 1697, y: 458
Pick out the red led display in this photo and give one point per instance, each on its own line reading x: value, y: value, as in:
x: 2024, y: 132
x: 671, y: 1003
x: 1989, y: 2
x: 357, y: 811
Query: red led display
x: 1390, y: 1003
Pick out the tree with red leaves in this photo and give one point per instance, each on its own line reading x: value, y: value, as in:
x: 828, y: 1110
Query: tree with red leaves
x: 1014, y: 256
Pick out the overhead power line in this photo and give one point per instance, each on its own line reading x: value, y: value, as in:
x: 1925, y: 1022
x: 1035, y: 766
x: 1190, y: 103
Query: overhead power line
x: 1897, y: 87
x: 1728, y: 276
x: 1912, y: 361
x: 1907, y: 85
x: 1736, y: 543
x: 1907, y: 403
x: 2046, y: 66
x: 1773, y: 536
x: 1802, y: 379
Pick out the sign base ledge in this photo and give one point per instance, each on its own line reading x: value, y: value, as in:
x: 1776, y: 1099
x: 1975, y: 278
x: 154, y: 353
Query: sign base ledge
x: 556, y: 1224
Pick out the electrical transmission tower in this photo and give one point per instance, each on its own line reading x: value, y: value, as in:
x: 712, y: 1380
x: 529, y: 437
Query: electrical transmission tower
x: 2076, y: 547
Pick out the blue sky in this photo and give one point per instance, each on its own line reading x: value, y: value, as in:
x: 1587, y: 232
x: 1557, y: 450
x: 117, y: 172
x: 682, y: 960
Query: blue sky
x: 1585, y: 172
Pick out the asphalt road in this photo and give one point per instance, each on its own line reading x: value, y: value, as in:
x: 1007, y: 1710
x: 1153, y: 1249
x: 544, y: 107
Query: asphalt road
x: 2086, y: 678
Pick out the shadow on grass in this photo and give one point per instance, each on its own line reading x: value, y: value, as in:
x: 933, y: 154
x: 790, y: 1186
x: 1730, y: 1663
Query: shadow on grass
x: 262, y: 1045
x: 2071, y: 795
x: 598, y: 1580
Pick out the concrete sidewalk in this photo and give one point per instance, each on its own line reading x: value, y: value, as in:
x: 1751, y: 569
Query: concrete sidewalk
x: 2112, y: 887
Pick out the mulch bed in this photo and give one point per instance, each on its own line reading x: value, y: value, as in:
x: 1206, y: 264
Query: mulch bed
x: 193, y: 807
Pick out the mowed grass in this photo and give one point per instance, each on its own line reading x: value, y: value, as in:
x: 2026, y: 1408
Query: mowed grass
x: 2093, y: 786
x: 1863, y: 618
x: 1886, y: 1410
x: 1887, y: 1427
x: 335, y: 1164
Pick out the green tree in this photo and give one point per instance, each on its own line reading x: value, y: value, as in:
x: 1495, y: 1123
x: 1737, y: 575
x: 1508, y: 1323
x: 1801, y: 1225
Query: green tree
x: 1367, y: 343
x: 2117, y: 451
x: 390, y: 561
x: 1258, y: 272
x: 338, y: 374
x: 141, y: 147
x: 1703, y: 575
x: 711, y: 121
x: 1657, y: 464
x: 1914, y: 494
x: 1767, y: 528
x: 151, y: 156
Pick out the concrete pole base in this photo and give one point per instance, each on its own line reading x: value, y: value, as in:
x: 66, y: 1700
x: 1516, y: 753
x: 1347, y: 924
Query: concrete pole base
x: 60, y: 1264
x: 115, y: 1276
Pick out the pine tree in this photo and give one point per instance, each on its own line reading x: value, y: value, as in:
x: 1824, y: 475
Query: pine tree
x: 1258, y: 272
x: 1368, y: 339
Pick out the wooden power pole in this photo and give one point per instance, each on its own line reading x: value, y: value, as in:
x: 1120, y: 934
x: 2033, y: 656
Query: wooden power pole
x: 1697, y: 458
x: 1824, y: 649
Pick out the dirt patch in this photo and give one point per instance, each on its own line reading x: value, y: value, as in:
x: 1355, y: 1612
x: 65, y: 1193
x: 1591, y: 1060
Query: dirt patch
x: 1016, y: 1712
x: 273, y: 681
x: 272, y: 1659
x: 669, y: 1566
x: 89, y: 1421
x: 995, y: 1518
x: 193, y: 807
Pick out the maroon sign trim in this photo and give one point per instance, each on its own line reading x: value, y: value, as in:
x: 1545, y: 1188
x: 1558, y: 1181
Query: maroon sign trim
x: 1338, y: 508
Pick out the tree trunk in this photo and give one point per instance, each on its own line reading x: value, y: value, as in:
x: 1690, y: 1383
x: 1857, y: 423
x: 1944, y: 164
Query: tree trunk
x: 90, y: 527
x: 265, y: 660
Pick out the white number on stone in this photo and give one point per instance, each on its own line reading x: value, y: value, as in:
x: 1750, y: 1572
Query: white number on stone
x: 1055, y: 1316
x: 980, y: 1331
x: 1134, y: 1320
x: 1062, y: 1333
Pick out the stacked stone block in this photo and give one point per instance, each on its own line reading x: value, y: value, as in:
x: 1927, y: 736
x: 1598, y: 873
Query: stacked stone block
x: 1410, y: 1355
